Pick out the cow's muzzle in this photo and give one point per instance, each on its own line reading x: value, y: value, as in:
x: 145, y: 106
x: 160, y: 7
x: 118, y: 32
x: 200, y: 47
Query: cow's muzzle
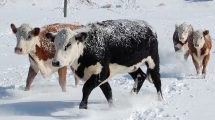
x: 56, y: 63
x: 18, y: 50
x: 196, y: 45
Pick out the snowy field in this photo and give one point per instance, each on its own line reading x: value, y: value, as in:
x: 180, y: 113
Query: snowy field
x: 187, y: 96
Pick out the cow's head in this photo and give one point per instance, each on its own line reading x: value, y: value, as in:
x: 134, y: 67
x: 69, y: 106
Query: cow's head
x: 25, y: 35
x: 68, y: 46
x: 199, y: 38
x: 183, y: 31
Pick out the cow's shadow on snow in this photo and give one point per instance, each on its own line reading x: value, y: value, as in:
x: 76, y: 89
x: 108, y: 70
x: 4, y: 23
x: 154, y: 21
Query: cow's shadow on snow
x: 42, y: 108
x: 173, y: 75
x: 4, y: 92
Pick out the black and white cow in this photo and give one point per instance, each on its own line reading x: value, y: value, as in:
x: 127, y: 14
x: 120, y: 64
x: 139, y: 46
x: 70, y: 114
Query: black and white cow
x: 101, y: 50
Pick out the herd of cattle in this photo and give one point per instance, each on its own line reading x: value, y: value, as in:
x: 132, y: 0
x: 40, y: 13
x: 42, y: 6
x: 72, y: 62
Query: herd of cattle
x: 98, y: 51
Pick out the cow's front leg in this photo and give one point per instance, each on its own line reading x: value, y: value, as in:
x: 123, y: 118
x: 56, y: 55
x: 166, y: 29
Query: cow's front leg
x: 186, y: 55
x: 106, y: 89
x: 31, y: 75
x: 77, y: 80
x: 87, y: 88
x: 196, y: 63
x: 139, y: 77
x: 62, y: 77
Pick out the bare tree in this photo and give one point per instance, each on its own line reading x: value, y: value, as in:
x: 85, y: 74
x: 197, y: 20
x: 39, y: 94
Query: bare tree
x: 65, y: 8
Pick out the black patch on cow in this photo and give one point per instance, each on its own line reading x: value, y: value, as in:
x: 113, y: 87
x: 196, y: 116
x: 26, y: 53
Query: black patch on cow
x: 81, y: 36
x: 50, y: 36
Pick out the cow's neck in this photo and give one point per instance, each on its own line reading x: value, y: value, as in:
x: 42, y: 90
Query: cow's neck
x: 37, y: 43
x: 77, y: 51
x: 198, y: 52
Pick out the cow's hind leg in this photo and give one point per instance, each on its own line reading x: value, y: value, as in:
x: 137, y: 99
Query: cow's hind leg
x: 62, y: 78
x: 31, y: 75
x: 205, y: 62
x: 106, y: 89
x: 139, y: 77
x: 155, y: 75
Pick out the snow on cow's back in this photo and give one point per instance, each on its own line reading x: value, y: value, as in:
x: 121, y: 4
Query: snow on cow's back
x: 118, y: 32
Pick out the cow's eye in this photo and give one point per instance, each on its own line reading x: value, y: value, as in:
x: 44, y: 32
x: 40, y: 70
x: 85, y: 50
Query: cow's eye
x: 69, y: 44
x: 29, y: 37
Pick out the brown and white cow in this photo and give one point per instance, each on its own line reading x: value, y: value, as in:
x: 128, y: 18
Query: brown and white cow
x: 32, y: 41
x: 199, y: 49
x: 183, y: 33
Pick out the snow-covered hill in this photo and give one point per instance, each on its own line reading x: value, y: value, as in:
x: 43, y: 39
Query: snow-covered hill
x: 187, y: 96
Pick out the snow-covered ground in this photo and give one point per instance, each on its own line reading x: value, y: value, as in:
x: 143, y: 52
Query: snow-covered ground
x: 187, y: 96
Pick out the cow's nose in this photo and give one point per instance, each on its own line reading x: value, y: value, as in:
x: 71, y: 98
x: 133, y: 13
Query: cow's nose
x: 18, y: 50
x: 196, y: 45
x: 56, y: 63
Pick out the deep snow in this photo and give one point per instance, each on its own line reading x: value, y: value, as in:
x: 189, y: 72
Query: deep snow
x: 187, y: 96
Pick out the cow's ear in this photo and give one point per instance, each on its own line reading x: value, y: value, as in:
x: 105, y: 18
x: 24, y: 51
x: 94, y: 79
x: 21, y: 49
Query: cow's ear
x: 206, y: 32
x: 50, y: 36
x: 191, y: 27
x: 81, y: 36
x: 36, y: 31
x: 13, y: 27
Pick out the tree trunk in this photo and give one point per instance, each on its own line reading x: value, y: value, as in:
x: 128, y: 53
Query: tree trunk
x: 65, y: 8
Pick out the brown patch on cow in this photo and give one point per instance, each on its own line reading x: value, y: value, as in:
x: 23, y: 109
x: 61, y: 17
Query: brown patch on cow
x: 208, y: 43
x: 46, y: 50
x: 43, y: 54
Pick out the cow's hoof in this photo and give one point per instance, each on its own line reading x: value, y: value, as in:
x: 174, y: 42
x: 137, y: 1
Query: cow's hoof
x: 83, y: 105
x: 160, y: 96
x: 133, y: 92
x: 110, y: 103
x: 203, y: 75
x: 27, y: 89
x: 63, y: 89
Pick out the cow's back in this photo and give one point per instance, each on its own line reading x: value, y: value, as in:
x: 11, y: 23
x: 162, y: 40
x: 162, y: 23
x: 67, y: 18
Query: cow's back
x: 122, y: 41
